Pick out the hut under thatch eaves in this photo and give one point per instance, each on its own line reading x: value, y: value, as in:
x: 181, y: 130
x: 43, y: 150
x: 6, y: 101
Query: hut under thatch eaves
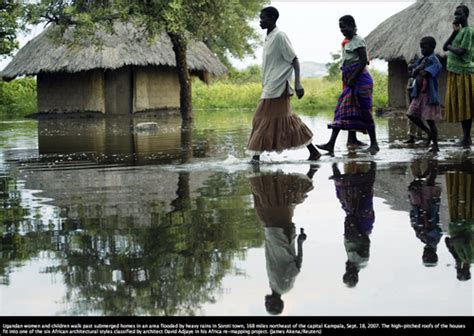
x: 119, y: 73
x: 397, y: 41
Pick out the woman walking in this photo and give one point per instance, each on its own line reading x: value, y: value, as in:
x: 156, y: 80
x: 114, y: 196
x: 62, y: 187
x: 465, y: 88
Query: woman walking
x: 274, y: 126
x: 354, y: 106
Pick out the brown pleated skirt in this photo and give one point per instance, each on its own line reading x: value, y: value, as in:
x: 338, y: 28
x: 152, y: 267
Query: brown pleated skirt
x: 276, y: 128
x: 459, y: 101
x: 276, y: 195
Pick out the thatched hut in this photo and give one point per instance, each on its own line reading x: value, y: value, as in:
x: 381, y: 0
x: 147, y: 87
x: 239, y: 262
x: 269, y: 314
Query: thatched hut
x: 119, y: 73
x: 396, y: 40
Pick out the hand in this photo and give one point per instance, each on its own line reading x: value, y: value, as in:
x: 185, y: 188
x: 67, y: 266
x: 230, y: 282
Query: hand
x: 299, y: 90
x: 456, y: 27
x: 350, y: 82
x: 302, y: 235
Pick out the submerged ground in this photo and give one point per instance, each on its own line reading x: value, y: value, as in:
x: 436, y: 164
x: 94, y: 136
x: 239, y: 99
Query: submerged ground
x: 110, y: 216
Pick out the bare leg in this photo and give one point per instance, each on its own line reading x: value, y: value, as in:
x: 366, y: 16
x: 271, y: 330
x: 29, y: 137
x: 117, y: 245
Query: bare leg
x: 374, y: 147
x: 434, y: 136
x: 466, y: 142
x: 314, y: 154
x: 418, y: 122
x: 329, y: 146
x: 255, y: 159
x: 352, y: 139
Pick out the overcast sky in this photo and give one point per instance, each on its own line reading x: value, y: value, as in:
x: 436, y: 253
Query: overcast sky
x: 312, y: 26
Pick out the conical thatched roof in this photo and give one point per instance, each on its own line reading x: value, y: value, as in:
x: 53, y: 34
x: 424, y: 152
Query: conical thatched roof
x: 125, y: 47
x: 399, y: 36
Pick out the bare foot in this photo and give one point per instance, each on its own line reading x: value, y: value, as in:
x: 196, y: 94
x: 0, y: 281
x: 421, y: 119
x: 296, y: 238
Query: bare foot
x: 410, y: 140
x: 464, y: 143
x: 434, y: 149
x: 355, y: 144
x: 315, y: 156
x: 326, y: 147
x: 428, y: 141
x: 373, y: 149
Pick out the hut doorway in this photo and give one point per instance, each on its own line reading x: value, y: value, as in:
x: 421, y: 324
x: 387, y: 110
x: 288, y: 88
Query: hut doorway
x: 118, y: 91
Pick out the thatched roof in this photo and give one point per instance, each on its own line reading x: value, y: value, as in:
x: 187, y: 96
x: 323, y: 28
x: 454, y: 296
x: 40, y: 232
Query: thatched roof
x: 125, y: 47
x: 399, y: 36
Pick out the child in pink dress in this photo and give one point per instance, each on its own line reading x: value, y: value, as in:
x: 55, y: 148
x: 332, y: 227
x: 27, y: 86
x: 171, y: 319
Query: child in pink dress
x: 425, y: 106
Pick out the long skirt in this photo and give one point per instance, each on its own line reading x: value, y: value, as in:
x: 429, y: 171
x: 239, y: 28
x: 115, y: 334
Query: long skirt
x: 459, y: 101
x: 354, y: 106
x: 276, y: 128
x: 460, y: 188
x: 460, y: 191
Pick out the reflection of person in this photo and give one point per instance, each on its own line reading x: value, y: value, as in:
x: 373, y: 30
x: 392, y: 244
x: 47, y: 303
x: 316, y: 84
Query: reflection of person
x: 275, y: 197
x: 460, y: 65
x: 355, y: 191
x: 459, y: 186
x: 354, y: 106
x: 424, y: 198
x: 425, y: 106
x: 275, y: 127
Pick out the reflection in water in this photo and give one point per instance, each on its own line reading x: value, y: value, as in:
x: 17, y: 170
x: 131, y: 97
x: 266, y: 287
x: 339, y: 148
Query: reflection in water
x: 275, y: 198
x: 355, y: 191
x: 459, y: 185
x: 129, y: 241
x: 424, y: 196
x: 119, y: 140
x: 126, y: 238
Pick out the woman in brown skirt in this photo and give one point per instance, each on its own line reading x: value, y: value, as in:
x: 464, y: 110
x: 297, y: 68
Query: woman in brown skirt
x: 274, y: 126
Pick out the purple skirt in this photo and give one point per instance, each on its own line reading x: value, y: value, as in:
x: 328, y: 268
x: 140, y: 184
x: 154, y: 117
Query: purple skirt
x: 354, y: 106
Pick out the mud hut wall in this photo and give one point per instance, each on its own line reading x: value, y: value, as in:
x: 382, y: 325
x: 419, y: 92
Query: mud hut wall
x: 155, y: 88
x: 118, y: 91
x: 62, y: 92
x: 442, y: 81
x: 397, y: 83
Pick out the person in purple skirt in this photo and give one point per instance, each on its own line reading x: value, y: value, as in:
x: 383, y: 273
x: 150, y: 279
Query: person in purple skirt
x: 354, y: 107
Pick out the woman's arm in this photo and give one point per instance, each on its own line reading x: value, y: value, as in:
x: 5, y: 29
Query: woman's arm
x: 362, y: 53
x: 448, y: 44
x: 298, y: 87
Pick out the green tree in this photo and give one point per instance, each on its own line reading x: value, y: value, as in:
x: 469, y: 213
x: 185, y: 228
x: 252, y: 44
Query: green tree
x: 334, y: 67
x: 222, y: 24
x: 11, y: 22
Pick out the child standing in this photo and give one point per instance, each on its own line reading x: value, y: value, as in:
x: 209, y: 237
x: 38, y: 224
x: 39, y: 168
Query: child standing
x: 414, y: 132
x: 425, y: 105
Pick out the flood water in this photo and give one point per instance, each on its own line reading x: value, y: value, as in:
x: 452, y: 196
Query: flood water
x: 140, y: 216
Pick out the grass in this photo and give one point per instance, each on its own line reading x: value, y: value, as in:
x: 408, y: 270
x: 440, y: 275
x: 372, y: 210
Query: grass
x: 320, y: 93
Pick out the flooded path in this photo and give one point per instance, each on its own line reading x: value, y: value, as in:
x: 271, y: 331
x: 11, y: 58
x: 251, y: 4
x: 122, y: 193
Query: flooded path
x: 139, y: 217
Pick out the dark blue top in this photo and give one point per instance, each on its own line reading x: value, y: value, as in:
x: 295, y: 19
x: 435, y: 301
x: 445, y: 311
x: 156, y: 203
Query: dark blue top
x: 433, y: 67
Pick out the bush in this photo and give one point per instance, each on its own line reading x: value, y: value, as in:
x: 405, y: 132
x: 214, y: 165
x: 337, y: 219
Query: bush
x: 18, y: 98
